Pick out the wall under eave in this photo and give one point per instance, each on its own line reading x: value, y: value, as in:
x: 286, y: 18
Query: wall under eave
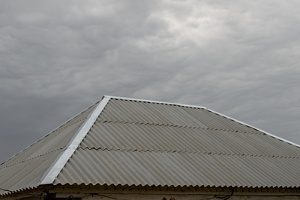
x: 199, y: 194
x: 128, y: 193
x: 187, y: 197
x: 176, y: 197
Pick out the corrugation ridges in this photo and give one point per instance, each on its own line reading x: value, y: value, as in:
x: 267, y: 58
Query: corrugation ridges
x: 145, y: 137
x: 27, y: 173
x: 138, y: 111
x: 150, y: 144
x: 26, y: 169
x: 177, y: 169
x: 57, y: 139
x: 130, y: 111
x: 140, y: 143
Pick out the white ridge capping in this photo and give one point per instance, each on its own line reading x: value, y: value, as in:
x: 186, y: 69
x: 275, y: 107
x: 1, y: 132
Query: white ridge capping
x: 60, y: 162
x: 270, y: 134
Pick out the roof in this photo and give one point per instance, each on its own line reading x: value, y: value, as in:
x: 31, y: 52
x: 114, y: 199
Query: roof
x: 132, y: 142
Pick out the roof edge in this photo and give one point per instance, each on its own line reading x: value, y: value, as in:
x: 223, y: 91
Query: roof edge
x: 270, y: 134
x: 153, y: 101
x: 60, y: 162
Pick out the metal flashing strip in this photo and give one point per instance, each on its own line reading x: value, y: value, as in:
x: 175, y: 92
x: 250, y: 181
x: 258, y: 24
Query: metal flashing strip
x: 158, y: 102
x: 58, y: 165
x: 270, y: 134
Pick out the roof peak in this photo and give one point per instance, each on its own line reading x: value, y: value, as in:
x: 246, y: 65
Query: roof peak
x: 52, y: 160
x: 63, y: 158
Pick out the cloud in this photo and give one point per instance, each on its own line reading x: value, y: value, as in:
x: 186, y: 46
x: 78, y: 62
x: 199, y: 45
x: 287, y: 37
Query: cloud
x: 57, y: 57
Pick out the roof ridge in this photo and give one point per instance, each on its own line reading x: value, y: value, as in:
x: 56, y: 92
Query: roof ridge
x: 63, y: 158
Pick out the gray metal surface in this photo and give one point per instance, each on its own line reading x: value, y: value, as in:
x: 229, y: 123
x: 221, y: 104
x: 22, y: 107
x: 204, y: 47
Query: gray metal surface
x: 115, y: 167
x: 135, y: 142
x: 142, y: 137
x: 27, y: 168
x: 56, y: 139
x: 142, y: 143
x: 149, y: 113
x: 58, y: 165
x: 26, y: 174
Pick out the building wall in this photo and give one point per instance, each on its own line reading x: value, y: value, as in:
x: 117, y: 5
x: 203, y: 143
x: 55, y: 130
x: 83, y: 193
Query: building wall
x: 116, y: 193
x: 169, y: 197
x: 189, y: 197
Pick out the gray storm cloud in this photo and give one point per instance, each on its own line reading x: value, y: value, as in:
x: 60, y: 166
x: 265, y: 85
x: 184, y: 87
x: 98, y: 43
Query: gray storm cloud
x: 236, y: 57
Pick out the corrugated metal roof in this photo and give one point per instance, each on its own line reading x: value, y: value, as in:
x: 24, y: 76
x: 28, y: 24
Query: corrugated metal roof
x: 26, y: 174
x: 27, y: 168
x: 142, y: 137
x: 139, y: 142
x: 57, y: 139
x: 150, y: 113
x: 120, y: 167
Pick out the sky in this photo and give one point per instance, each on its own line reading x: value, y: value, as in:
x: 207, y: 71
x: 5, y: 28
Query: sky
x: 57, y: 57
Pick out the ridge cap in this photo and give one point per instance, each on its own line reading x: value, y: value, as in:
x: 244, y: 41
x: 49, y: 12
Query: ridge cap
x: 54, y: 170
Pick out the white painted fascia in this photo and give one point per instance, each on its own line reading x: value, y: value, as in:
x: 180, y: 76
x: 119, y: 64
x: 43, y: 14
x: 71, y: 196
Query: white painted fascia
x: 61, y: 161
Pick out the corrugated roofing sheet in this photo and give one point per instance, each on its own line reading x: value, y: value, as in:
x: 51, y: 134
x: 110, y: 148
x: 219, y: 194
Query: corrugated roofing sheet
x: 114, y: 167
x: 26, y: 174
x: 57, y: 139
x: 139, y: 142
x: 26, y: 169
x: 143, y: 137
x: 149, y: 113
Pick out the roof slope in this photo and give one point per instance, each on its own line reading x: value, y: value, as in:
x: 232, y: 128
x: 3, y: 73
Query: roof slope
x: 26, y: 169
x: 121, y: 141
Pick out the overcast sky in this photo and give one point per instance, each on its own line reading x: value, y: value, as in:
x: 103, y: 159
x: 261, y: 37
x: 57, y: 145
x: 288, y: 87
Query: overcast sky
x: 240, y: 58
